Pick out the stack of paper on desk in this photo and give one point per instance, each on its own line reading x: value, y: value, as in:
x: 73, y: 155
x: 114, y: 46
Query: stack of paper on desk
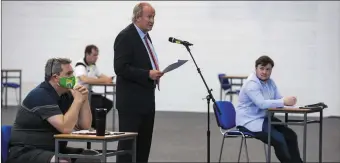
x: 84, y: 132
x: 89, y: 132
x: 295, y: 106
x: 93, y: 132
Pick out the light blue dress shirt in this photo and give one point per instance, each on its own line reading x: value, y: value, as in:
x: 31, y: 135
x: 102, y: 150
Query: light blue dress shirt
x: 142, y: 35
x: 255, y: 98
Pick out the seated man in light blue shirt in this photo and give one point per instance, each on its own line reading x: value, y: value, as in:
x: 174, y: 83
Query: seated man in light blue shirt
x: 258, y: 94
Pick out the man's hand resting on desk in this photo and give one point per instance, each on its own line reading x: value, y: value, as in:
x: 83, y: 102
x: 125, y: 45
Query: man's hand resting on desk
x: 155, y: 74
x: 289, y: 101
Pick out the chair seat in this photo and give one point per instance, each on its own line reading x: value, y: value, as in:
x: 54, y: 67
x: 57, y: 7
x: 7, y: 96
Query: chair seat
x: 232, y: 92
x: 5, y: 137
x: 238, y: 133
x: 11, y: 85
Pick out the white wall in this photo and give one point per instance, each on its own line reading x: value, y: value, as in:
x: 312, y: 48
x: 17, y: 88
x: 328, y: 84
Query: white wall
x: 302, y: 37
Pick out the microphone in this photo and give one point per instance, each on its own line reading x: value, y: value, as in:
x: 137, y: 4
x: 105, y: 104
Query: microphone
x: 177, y: 41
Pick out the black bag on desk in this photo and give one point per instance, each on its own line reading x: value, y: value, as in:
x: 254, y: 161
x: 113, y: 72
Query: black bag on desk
x: 319, y: 105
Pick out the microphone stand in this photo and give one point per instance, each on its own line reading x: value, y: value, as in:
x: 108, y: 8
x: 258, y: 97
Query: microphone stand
x: 208, y: 98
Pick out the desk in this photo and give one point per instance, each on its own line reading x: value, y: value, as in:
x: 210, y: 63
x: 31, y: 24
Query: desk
x: 231, y: 78
x: 93, y: 138
x: 303, y: 122
x: 105, y: 93
x: 4, y: 79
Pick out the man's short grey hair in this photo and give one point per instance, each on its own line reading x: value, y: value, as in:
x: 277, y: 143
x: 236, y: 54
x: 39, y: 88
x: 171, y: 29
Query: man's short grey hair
x: 138, y: 11
x: 53, y: 66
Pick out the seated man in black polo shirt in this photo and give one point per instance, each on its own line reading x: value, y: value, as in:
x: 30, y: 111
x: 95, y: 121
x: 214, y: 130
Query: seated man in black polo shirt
x: 53, y: 107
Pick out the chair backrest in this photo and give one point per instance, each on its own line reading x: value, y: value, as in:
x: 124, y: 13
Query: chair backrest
x: 5, y: 137
x: 227, y: 118
x: 225, y: 85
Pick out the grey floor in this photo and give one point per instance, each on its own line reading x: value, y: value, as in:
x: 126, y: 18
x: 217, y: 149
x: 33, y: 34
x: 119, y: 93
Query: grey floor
x: 181, y: 137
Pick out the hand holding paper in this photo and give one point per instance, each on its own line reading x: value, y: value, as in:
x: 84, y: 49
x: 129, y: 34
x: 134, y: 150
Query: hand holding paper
x: 155, y: 74
x: 174, y: 66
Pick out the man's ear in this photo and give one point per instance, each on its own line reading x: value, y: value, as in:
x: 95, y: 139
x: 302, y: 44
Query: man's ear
x: 138, y: 19
x: 55, y: 76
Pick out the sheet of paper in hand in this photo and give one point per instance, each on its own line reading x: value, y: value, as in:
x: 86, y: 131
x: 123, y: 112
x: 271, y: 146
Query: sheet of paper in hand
x: 174, y: 66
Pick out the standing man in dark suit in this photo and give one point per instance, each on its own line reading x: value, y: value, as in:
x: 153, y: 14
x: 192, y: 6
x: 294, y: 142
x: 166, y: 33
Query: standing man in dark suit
x: 137, y: 70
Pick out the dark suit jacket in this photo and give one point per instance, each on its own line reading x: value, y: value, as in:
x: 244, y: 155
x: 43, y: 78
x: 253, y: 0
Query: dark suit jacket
x: 135, y: 90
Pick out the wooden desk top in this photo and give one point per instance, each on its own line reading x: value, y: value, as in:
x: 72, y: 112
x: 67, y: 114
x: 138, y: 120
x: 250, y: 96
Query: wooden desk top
x: 110, y: 84
x: 293, y: 110
x: 94, y: 137
x: 236, y: 77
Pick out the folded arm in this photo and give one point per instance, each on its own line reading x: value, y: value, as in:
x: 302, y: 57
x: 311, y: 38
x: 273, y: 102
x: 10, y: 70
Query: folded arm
x: 85, y: 117
x: 253, y: 90
x: 90, y: 80
x: 81, y: 72
x: 64, y: 123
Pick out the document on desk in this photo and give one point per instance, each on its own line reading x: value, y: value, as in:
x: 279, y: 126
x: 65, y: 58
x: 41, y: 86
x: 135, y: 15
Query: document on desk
x: 86, y: 132
x: 295, y: 106
x: 93, y: 132
x: 174, y: 65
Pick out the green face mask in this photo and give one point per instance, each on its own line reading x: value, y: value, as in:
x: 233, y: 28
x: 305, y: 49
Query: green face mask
x: 67, y: 82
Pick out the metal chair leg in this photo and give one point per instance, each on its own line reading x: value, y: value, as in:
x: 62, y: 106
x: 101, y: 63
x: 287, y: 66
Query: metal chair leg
x: 246, y: 147
x: 219, y: 160
x: 239, y: 154
x: 265, y: 151
x: 16, y: 96
x: 4, y: 92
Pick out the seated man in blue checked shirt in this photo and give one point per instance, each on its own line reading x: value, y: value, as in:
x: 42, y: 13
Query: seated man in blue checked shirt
x: 259, y: 93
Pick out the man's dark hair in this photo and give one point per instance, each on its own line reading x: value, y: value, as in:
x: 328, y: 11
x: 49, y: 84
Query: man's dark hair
x: 89, y: 48
x: 264, y: 61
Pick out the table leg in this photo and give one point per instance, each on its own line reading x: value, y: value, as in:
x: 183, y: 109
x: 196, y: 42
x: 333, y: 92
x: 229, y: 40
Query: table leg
x: 104, y: 147
x: 56, y: 151
x: 304, y: 136
x: 231, y: 89
x: 20, y: 89
x: 220, y: 92
x: 105, y: 94
x: 113, y: 118
x: 90, y: 93
x: 134, y: 149
x: 113, y: 109
x: 269, y: 137
x: 320, y: 136
x: 6, y: 91
x: 2, y: 89
x: 88, y: 144
x: 105, y: 91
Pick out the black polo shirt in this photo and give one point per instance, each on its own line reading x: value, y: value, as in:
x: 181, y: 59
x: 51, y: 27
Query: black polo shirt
x: 31, y: 128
